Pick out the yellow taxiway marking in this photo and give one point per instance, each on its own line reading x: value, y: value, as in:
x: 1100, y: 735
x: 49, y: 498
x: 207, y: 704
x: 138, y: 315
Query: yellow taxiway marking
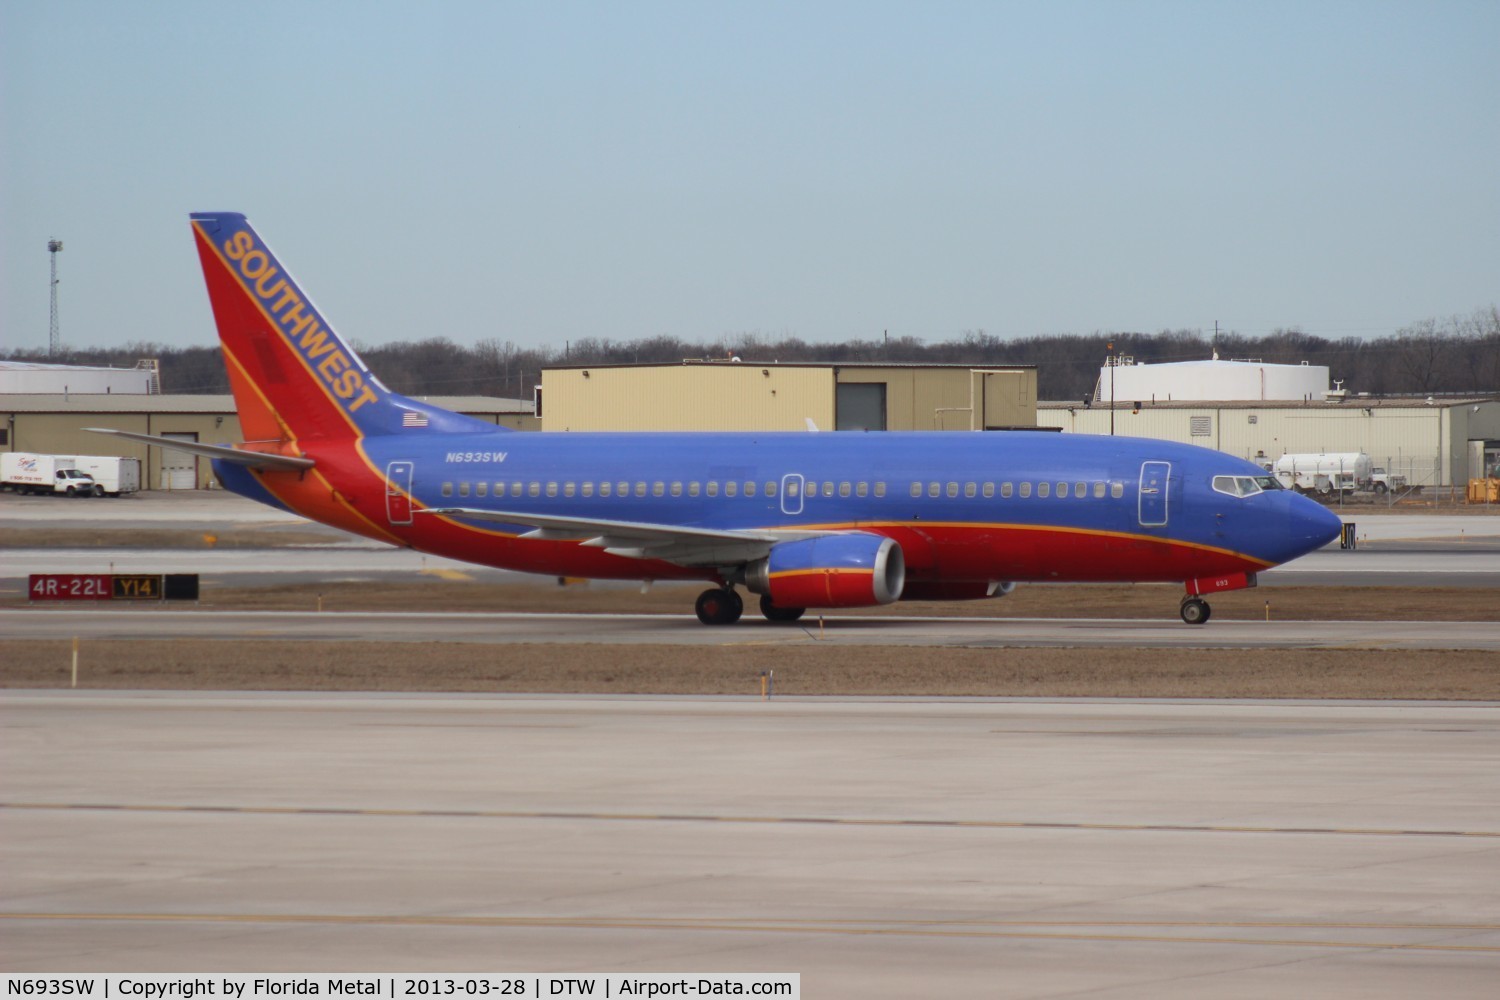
x: 1088, y: 930
x: 447, y: 574
x: 964, y: 824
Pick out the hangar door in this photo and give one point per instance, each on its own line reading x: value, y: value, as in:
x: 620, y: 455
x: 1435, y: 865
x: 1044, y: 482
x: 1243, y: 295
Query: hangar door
x: 179, y: 470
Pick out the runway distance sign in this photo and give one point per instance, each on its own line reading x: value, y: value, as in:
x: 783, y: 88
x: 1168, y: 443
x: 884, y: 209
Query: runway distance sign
x: 112, y: 587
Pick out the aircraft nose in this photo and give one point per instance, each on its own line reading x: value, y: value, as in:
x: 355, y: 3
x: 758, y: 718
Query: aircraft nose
x: 1312, y: 525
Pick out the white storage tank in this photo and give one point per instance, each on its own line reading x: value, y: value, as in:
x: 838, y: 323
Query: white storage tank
x: 39, y: 378
x: 1226, y: 381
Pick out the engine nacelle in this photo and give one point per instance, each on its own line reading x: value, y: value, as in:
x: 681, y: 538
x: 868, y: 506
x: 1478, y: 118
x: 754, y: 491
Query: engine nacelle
x: 834, y: 571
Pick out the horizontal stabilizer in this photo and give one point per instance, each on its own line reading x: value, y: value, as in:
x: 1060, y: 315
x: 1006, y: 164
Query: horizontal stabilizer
x: 238, y: 456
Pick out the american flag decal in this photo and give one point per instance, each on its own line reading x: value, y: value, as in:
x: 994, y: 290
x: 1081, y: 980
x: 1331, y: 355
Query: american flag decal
x: 411, y: 419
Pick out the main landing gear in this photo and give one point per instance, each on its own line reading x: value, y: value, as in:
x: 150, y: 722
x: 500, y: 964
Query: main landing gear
x: 1195, y: 610
x: 719, y: 606
x: 722, y: 606
x: 775, y: 613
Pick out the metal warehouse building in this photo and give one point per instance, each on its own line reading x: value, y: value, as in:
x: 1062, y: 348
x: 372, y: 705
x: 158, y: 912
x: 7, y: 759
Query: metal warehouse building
x: 1433, y: 441
x: 756, y: 396
x: 53, y: 424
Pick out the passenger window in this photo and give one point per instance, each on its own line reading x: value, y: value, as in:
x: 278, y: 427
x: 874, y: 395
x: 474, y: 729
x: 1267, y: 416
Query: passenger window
x: 605, y: 489
x: 916, y: 489
x: 792, y: 488
x: 463, y: 489
x: 552, y: 489
x: 731, y: 488
x: 1081, y: 490
x: 447, y: 489
x: 1117, y: 490
x: 569, y: 489
x: 989, y: 490
x: 658, y: 488
x: 640, y: 489
x: 1025, y: 490
x: 1098, y: 491
x: 953, y: 489
x: 843, y: 489
x: 861, y: 489
x: 970, y: 489
x: 533, y: 489
x: 771, y: 488
x: 1062, y: 489
x: 934, y: 489
x: 712, y: 488
x: 481, y: 489
x: 880, y: 489
x: 749, y: 488
x: 1005, y: 491
x: 588, y: 489
x: 1043, y: 489
x: 677, y: 489
x: 623, y: 489
x: 693, y: 488
x: 828, y: 488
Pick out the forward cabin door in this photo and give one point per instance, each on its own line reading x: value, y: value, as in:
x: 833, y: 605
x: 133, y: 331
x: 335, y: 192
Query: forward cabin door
x: 398, y: 492
x: 791, y: 493
x: 1156, y: 481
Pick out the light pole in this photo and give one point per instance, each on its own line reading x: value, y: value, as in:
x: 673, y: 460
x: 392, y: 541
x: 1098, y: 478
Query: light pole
x: 1111, y: 362
x: 54, y: 337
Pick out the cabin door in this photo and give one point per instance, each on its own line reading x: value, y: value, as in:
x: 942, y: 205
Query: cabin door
x: 791, y: 493
x: 398, y: 492
x: 1156, y: 479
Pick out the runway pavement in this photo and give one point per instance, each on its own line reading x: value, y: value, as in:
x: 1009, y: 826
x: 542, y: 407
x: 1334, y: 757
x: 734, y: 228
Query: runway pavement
x: 894, y: 848
x: 1421, y: 550
x: 684, y: 630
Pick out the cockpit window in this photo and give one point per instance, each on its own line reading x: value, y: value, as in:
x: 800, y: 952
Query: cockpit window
x: 1269, y: 483
x: 1244, y: 486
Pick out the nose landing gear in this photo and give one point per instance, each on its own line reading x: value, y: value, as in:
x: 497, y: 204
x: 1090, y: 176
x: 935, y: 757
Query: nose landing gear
x: 1195, y: 610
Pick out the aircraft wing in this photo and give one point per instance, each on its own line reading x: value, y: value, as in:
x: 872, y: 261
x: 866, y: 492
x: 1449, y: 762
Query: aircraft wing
x: 639, y: 539
x: 239, y: 456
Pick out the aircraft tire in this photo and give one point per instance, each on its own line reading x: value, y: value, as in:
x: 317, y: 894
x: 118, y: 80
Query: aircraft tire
x: 774, y: 613
x: 719, y: 606
x: 1196, y: 611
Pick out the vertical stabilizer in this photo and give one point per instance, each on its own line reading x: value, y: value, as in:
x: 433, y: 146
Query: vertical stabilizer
x: 294, y: 377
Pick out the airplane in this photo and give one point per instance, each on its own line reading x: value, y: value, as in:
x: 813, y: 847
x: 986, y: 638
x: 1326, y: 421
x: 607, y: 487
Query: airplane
x: 802, y: 520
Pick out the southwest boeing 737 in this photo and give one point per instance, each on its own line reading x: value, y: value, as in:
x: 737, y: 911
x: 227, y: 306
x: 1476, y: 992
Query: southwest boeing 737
x: 830, y: 520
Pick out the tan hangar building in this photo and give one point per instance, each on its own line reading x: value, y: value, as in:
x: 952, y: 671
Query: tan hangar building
x: 697, y: 395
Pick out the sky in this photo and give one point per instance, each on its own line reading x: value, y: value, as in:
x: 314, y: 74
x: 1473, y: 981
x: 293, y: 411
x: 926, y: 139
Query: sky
x: 540, y: 172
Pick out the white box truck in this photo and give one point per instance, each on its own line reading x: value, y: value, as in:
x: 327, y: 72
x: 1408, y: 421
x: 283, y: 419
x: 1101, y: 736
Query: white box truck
x: 113, y: 476
x: 26, y: 472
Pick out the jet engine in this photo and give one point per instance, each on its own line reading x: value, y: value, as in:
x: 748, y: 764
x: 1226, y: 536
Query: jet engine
x: 832, y: 571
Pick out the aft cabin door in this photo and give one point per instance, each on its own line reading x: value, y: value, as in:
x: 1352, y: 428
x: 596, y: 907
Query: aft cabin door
x: 1156, y: 481
x: 398, y: 492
